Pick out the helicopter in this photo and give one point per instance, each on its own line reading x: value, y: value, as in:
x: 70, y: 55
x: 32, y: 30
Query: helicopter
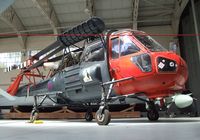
x: 112, y: 65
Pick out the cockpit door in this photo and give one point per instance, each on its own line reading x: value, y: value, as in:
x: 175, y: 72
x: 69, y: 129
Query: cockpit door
x: 114, y: 52
x: 121, y: 50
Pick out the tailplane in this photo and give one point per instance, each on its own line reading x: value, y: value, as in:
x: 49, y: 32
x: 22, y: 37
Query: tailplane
x: 6, y: 95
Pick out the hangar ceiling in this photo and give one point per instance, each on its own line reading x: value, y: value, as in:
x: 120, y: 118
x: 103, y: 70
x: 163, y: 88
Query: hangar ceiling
x: 52, y: 16
x: 48, y: 16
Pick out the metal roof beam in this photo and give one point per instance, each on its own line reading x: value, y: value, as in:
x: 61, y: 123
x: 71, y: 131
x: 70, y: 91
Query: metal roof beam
x: 90, y: 8
x: 135, y: 13
x: 10, y: 17
x: 46, y: 8
x: 116, y: 21
x: 157, y: 4
x: 179, y: 7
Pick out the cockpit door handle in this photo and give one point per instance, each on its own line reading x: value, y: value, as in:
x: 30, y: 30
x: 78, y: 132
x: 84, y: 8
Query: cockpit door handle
x: 115, y: 69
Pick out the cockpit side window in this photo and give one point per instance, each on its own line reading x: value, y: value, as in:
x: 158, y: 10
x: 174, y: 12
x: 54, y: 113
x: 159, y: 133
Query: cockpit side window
x: 115, y: 48
x: 127, y: 46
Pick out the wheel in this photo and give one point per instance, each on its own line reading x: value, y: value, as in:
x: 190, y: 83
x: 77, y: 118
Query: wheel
x: 103, y: 118
x: 88, y: 116
x: 34, y: 116
x: 153, y: 115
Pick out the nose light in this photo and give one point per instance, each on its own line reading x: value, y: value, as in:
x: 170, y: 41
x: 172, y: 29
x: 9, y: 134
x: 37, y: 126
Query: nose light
x: 171, y: 64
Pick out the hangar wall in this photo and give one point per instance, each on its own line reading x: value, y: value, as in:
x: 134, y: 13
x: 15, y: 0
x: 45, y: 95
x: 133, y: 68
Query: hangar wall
x: 189, y: 46
x: 33, y: 43
x: 12, y: 45
x: 162, y: 30
x: 9, y: 44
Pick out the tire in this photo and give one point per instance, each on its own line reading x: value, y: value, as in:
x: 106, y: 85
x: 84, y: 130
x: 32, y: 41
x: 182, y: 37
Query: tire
x: 153, y: 115
x: 34, y: 116
x: 88, y: 116
x: 104, y: 118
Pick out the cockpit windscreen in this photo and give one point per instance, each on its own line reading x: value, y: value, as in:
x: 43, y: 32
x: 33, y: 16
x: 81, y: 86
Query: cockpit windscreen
x: 149, y: 42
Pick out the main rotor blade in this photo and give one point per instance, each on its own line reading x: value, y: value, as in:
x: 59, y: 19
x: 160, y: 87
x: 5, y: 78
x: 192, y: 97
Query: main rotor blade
x: 47, y: 49
x: 40, y: 62
x: 91, y: 27
x: 61, y: 56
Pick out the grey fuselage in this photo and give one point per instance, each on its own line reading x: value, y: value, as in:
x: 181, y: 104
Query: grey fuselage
x: 80, y: 83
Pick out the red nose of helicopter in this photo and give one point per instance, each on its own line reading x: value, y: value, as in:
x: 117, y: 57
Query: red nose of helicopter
x: 181, y: 72
x: 174, y: 68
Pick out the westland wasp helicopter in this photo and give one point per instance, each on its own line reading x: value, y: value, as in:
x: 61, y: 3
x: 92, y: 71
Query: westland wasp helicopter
x: 112, y: 66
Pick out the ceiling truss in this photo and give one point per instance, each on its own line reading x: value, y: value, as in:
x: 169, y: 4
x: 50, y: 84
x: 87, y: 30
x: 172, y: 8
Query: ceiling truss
x: 179, y: 7
x: 10, y: 17
x: 46, y: 8
x: 90, y: 8
x: 135, y: 13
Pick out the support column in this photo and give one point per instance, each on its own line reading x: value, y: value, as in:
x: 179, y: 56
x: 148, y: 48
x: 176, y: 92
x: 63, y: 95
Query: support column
x: 195, y: 26
x: 196, y: 30
x: 135, y: 13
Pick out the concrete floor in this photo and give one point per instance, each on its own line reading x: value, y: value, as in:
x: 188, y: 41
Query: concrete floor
x: 126, y: 129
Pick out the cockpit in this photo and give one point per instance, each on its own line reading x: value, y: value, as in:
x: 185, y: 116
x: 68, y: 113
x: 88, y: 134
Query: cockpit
x: 136, y: 43
x: 122, y: 46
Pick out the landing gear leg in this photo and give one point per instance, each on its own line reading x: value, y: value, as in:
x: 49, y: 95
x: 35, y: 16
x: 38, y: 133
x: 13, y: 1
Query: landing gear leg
x: 103, y: 116
x: 88, y: 115
x: 152, y: 112
x: 34, y: 113
x: 34, y: 116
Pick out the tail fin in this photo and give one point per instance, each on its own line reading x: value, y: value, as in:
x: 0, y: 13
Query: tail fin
x: 12, y: 89
x: 7, y: 95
